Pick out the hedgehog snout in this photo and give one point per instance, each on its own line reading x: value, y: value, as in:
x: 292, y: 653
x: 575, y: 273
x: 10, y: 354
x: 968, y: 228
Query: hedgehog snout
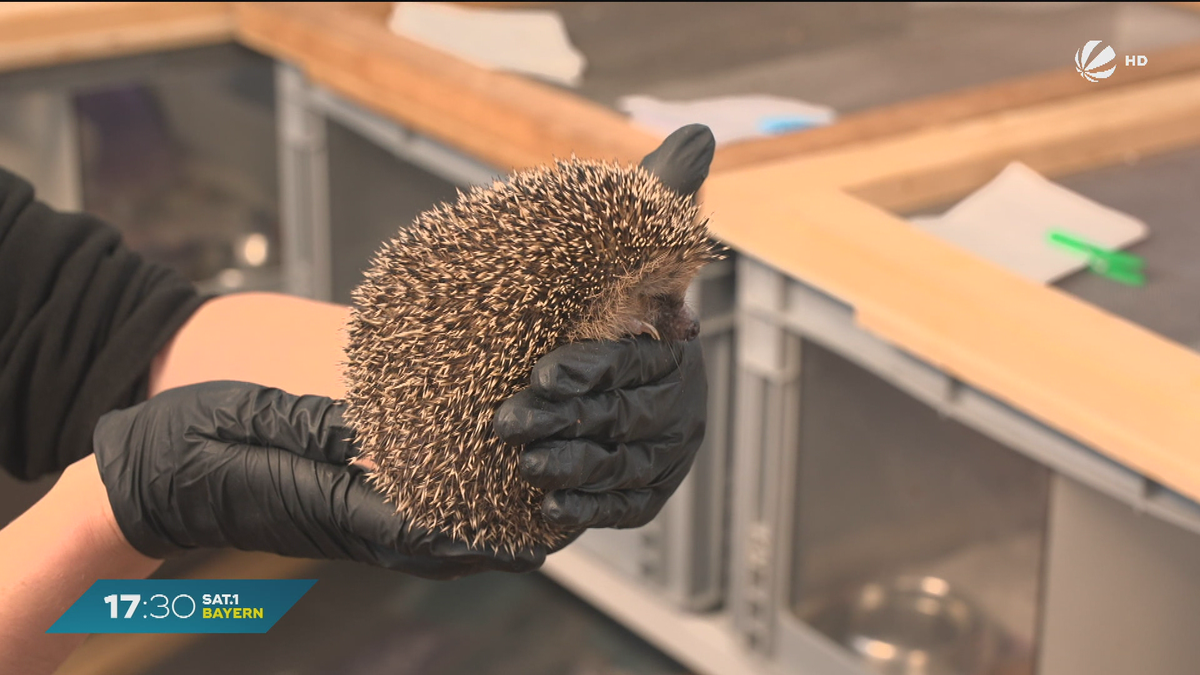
x: 683, y: 325
x: 674, y: 321
x: 693, y: 330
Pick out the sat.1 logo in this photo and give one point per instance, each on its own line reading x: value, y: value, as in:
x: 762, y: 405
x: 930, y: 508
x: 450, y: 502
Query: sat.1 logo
x: 1091, y: 63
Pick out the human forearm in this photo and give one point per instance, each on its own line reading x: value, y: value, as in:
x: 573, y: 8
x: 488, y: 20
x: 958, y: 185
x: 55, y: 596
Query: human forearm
x: 51, y: 554
x: 265, y: 338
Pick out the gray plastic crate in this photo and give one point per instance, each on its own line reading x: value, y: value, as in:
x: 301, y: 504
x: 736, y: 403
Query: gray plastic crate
x: 681, y: 553
x: 1097, y: 561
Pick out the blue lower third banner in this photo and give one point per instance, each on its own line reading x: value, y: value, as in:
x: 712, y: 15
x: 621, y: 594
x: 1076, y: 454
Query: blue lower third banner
x: 182, y: 606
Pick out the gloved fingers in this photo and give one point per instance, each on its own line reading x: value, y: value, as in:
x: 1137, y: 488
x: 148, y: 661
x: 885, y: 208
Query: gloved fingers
x: 583, y: 367
x: 618, y: 416
x: 313, y: 509
x: 583, y: 464
x: 236, y: 412
x: 681, y: 162
x: 621, y: 509
x: 309, y: 426
x: 280, y: 501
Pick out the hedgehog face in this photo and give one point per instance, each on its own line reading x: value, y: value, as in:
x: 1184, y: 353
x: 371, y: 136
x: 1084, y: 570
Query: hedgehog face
x: 648, y: 299
x: 664, y: 315
x: 673, y: 318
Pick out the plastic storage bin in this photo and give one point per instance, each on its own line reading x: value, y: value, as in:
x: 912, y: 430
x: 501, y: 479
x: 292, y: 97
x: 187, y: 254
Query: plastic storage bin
x: 174, y: 149
x: 891, y: 519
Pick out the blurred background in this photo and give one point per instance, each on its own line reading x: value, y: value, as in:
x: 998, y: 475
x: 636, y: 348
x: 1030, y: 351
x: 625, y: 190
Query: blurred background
x: 855, y: 509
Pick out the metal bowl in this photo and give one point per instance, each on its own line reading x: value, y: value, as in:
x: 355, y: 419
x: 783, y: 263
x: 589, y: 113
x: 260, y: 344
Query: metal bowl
x: 913, y: 626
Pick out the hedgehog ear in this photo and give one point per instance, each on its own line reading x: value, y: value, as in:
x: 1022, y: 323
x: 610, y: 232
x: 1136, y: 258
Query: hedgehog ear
x: 682, y: 161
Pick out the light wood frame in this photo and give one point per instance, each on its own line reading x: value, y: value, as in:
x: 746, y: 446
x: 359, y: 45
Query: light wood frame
x: 825, y: 218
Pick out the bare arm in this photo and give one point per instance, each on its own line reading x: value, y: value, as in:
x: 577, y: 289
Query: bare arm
x: 52, y: 553
x: 69, y: 539
x: 273, y: 340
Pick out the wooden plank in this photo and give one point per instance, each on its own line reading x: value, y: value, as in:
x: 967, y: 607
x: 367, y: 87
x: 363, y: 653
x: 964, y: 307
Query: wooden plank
x: 506, y: 120
x: 1115, y: 386
x: 44, y: 33
x: 929, y: 166
x: 531, y: 127
x: 1124, y: 390
x: 377, y: 11
x: 380, y: 11
x: 118, y: 654
x: 935, y: 111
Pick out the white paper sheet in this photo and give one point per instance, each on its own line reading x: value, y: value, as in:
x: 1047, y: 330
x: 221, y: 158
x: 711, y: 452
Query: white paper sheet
x: 1007, y: 220
x: 731, y: 118
x: 530, y: 42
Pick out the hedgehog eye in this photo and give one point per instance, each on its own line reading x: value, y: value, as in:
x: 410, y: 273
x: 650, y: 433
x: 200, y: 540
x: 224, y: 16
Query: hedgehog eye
x: 667, y: 301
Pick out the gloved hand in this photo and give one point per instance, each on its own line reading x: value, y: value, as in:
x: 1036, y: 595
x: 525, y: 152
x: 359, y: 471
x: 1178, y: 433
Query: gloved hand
x: 229, y: 464
x: 612, y: 428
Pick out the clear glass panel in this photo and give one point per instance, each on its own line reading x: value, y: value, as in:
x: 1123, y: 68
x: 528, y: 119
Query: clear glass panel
x: 918, y: 541
x: 185, y: 167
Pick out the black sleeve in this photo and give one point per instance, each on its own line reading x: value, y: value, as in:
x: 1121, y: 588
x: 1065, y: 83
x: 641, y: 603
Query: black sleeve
x: 81, y: 319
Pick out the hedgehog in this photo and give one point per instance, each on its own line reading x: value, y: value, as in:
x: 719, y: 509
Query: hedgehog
x: 454, y: 311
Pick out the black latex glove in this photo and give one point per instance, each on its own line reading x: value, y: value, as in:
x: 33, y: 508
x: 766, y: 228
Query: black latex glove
x: 612, y: 428
x: 229, y: 464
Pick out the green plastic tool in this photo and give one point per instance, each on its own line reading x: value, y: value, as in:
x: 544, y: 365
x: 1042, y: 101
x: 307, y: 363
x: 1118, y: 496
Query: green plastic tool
x: 1119, y: 266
